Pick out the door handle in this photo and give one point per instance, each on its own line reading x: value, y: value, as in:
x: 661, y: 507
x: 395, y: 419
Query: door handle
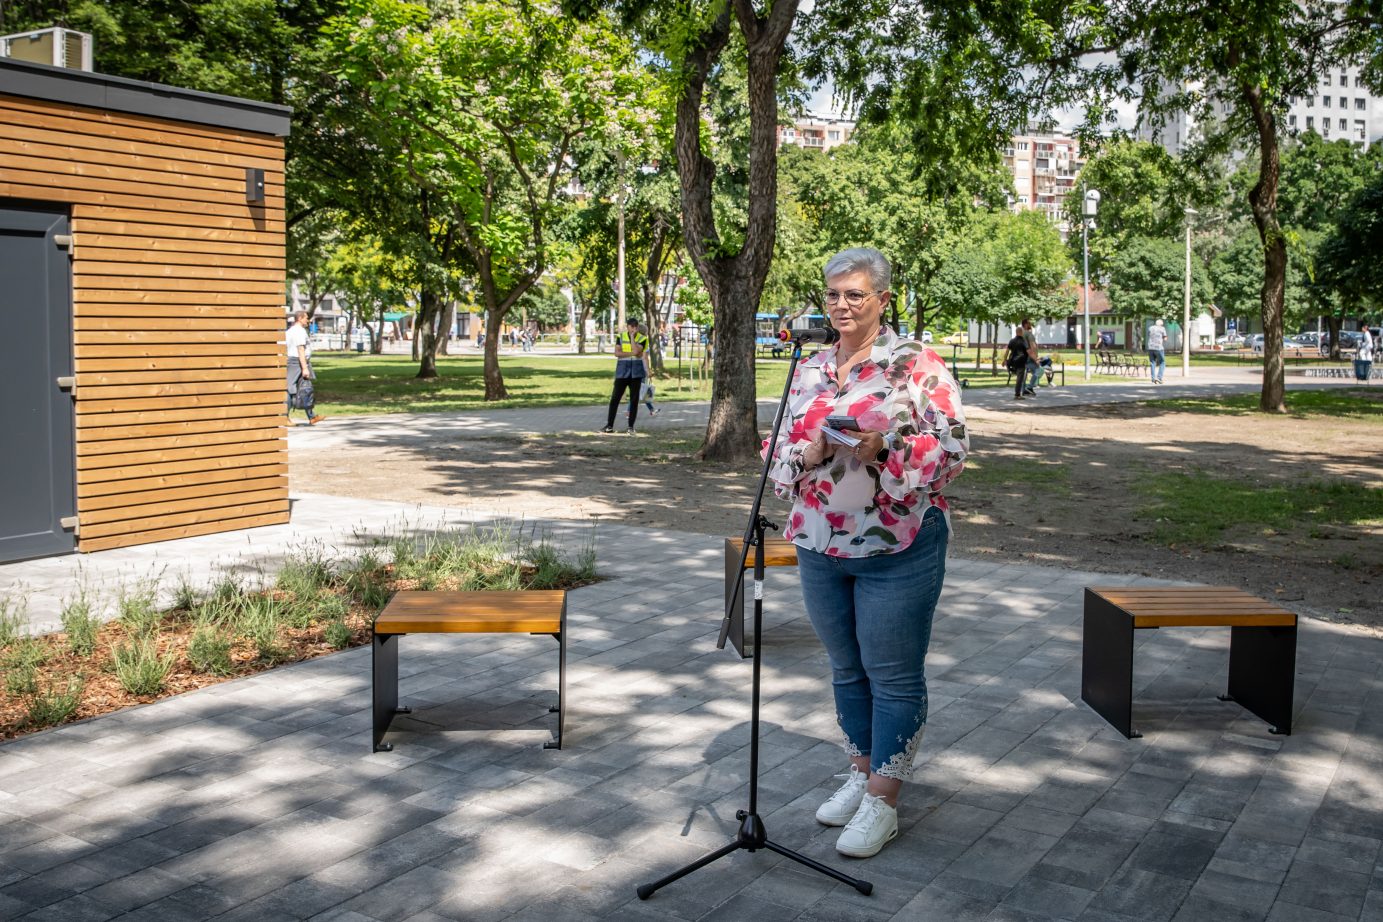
x: 68, y: 383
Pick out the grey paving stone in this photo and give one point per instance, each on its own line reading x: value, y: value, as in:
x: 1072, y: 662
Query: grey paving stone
x: 80, y: 908
x: 1047, y: 898
x: 1142, y: 895
x: 1325, y: 888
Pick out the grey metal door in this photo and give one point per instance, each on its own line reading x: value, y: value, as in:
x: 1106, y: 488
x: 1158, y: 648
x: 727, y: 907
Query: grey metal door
x: 37, y: 461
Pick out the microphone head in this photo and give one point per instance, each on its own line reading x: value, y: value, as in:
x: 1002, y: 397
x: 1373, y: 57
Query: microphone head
x: 784, y: 336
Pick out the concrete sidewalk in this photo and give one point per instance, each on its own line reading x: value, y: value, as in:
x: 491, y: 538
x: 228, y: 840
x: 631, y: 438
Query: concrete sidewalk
x: 259, y: 799
x: 417, y: 428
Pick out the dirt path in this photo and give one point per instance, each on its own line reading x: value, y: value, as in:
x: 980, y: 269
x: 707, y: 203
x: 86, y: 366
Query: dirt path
x: 1063, y: 487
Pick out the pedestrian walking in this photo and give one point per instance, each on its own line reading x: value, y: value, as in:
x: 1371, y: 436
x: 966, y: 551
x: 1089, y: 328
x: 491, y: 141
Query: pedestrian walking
x: 301, y: 394
x: 1363, y: 359
x: 630, y: 347
x: 1157, y: 351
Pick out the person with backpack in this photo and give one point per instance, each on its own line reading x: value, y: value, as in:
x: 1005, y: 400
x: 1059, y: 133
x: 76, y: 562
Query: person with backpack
x: 1021, y: 361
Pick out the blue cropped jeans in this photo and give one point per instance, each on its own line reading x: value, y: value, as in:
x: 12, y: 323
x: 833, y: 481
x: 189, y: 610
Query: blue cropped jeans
x: 874, y: 616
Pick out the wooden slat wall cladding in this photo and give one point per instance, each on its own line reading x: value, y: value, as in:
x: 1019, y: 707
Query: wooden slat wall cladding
x: 178, y: 292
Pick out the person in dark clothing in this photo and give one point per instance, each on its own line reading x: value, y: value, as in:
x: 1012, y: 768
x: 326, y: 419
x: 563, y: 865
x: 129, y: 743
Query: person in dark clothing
x: 630, y: 347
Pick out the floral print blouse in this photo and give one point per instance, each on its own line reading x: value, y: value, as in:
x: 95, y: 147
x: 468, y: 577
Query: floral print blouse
x: 848, y: 508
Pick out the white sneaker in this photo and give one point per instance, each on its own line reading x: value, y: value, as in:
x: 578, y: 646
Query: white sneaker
x: 843, y: 803
x: 874, y: 826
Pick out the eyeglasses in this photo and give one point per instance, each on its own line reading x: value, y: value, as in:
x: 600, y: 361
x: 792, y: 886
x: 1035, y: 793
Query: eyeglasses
x: 852, y: 298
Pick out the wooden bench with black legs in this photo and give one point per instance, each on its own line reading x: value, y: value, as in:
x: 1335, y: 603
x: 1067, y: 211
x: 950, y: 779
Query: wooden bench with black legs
x: 1262, y: 647
x: 417, y: 612
x: 778, y: 552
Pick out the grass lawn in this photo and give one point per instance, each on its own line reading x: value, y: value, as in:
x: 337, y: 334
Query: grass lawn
x: 1365, y: 403
x: 350, y: 383
x: 1196, y: 508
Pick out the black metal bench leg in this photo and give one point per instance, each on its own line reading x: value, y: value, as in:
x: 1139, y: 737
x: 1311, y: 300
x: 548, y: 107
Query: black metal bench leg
x: 1262, y: 673
x: 385, y: 682
x: 561, y: 708
x: 734, y: 585
x: 1106, y: 675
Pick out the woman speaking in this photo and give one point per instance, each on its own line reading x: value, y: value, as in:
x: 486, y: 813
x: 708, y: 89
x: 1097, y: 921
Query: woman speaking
x: 875, y: 429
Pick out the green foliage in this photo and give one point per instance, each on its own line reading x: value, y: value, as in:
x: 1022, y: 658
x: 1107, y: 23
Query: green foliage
x: 1143, y: 193
x: 1349, y: 263
x: 186, y: 595
x: 1147, y: 278
x: 47, y: 703
x: 13, y: 622
x: 338, y: 634
x: 81, y: 624
x: 475, y: 118
x: 138, y: 608
x: 368, y: 581
x: 1002, y: 267
x: 209, y: 650
x: 260, y: 620
x: 26, y: 653
x: 139, y: 666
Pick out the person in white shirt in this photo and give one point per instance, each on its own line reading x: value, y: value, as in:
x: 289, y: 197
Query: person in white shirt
x: 300, y: 369
x: 1157, y: 351
x: 1363, y: 359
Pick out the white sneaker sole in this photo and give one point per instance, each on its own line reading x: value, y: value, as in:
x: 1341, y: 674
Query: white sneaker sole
x: 867, y: 852
x: 836, y: 821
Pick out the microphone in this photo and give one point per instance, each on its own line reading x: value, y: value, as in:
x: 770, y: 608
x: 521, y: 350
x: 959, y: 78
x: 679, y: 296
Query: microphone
x: 823, y: 335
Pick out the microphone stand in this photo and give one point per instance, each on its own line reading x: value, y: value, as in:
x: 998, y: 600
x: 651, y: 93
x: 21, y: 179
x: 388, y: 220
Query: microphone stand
x: 752, y: 835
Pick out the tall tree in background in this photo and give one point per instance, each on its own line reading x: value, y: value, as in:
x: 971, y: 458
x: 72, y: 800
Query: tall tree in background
x: 482, y: 111
x: 1236, y: 65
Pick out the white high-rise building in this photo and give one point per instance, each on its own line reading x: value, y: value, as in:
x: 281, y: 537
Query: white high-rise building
x: 1340, y: 108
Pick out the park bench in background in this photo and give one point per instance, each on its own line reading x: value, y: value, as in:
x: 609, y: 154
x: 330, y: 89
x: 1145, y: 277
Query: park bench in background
x: 778, y: 552
x: 417, y: 612
x: 1262, y: 647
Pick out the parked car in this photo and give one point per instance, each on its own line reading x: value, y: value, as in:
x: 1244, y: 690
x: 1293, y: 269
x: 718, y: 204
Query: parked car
x: 959, y: 338
x: 1254, y: 341
x: 1229, y: 339
x: 1308, y: 338
x: 926, y: 336
x: 1349, y: 339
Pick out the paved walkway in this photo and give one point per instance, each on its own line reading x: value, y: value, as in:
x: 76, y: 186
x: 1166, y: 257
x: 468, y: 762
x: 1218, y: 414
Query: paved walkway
x: 424, y: 427
x: 259, y: 799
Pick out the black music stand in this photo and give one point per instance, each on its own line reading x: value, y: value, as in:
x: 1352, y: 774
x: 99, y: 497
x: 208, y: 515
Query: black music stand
x: 752, y: 835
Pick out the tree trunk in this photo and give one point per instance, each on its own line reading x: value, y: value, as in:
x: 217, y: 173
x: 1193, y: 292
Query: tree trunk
x: 494, y: 379
x: 1263, y: 201
x: 581, y: 315
x: 425, y: 333
x: 1332, y: 329
x: 448, y: 320
x: 734, y: 283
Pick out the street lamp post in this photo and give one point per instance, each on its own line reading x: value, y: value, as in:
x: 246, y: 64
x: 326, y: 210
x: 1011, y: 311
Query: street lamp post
x: 1089, y: 205
x: 1186, y: 307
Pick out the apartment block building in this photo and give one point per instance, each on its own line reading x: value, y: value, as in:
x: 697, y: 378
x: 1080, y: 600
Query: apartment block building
x: 821, y: 132
x: 1045, y: 168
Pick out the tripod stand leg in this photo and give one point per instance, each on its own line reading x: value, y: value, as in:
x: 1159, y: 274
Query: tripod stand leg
x: 863, y: 886
x: 646, y: 890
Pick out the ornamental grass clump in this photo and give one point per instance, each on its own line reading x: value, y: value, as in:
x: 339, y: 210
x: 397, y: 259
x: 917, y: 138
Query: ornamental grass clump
x: 12, y: 619
x: 139, y: 666
x: 138, y: 609
x: 260, y: 620
x: 209, y: 650
x: 49, y: 703
x: 81, y: 624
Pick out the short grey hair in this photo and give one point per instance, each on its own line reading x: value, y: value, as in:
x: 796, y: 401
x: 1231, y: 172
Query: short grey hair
x: 861, y: 259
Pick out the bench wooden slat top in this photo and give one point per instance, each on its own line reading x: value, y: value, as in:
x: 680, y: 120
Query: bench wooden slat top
x: 778, y: 552
x: 522, y: 612
x: 1197, y: 606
